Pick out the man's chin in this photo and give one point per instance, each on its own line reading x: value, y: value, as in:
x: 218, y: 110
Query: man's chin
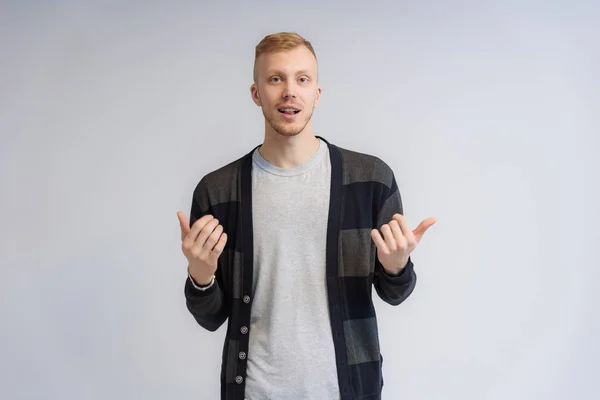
x: 288, y: 129
x: 288, y: 132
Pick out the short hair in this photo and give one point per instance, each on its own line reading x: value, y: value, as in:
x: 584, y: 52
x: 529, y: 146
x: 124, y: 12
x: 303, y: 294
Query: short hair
x: 282, y: 41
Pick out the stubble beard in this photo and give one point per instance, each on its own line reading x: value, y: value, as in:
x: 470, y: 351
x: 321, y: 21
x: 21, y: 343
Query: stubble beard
x: 287, y: 129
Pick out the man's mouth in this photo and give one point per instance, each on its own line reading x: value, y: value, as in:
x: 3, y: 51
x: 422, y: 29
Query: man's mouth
x: 289, y: 111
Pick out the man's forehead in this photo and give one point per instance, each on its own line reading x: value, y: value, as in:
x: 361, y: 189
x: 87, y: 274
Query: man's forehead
x: 289, y: 65
x: 300, y: 57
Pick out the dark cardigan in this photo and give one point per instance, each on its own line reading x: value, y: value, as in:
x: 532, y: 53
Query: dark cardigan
x: 364, y: 196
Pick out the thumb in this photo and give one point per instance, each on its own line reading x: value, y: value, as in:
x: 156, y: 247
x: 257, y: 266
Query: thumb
x: 184, y: 224
x: 422, y: 228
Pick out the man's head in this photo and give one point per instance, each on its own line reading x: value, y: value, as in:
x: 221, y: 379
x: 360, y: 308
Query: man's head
x: 286, y: 82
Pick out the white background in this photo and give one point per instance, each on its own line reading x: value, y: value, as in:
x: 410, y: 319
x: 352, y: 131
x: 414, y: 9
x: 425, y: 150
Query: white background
x: 111, y: 112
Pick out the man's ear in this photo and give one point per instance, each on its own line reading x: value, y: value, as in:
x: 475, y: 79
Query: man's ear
x: 255, y: 95
x: 317, y: 97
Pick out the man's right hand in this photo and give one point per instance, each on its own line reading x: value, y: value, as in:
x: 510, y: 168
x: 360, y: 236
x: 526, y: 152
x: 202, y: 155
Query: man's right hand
x: 202, y: 245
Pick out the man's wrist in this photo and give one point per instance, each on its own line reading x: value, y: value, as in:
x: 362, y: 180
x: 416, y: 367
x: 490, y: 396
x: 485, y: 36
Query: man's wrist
x: 204, y: 281
x: 398, y: 271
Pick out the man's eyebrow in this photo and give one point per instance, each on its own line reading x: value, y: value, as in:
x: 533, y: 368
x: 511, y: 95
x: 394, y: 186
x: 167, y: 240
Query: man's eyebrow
x: 278, y: 72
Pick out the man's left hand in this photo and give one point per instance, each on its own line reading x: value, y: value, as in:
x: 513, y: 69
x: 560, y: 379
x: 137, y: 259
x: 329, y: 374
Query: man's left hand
x: 398, y: 242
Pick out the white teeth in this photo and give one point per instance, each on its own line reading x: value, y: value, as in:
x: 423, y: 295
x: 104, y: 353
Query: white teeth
x: 288, y: 109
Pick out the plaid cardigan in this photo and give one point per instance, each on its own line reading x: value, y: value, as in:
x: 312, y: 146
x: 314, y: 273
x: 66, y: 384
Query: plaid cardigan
x: 364, y: 195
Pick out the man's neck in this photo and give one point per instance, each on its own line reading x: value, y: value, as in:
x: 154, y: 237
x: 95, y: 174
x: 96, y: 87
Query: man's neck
x: 289, y: 151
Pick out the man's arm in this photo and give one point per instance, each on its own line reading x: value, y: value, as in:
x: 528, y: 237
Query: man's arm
x: 209, y: 307
x: 392, y: 288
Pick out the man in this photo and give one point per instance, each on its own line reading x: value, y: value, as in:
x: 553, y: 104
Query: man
x: 283, y: 243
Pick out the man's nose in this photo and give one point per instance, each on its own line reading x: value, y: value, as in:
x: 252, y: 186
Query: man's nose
x: 289, y: 92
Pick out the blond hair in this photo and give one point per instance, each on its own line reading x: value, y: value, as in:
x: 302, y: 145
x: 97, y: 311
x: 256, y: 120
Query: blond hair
x: 282, y: 41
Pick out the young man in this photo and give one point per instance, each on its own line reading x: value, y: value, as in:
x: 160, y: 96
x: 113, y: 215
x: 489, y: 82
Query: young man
x: 283, y: 243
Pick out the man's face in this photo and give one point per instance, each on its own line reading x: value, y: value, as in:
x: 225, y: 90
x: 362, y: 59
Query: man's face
x: 286, y: 89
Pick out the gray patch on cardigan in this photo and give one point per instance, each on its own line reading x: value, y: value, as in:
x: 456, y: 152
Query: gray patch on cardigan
x: 361, y: 167
x: 353, y: 242
x: 362, y: 340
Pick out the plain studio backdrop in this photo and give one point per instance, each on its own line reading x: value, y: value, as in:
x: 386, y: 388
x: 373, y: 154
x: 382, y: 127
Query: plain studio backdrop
x: 111, y: 112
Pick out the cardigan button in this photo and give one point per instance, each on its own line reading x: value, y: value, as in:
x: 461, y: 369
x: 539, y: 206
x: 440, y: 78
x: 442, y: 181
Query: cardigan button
x: 239, y: 379
x: 244, y: 330
x: 246, y: 299
x: 242, y: 355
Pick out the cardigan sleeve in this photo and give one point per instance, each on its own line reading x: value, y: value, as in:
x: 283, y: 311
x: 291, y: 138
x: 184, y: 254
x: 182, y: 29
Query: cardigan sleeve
x: 209, y: 307
x: 393, y: 289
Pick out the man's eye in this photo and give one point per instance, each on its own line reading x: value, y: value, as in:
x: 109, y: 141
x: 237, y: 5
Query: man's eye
x: 304, y: 79
x: 275, y: 79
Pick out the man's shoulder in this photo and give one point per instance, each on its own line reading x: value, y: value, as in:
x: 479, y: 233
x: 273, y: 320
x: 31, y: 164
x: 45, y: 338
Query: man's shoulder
x: 224, y: 173
x: 222, y: 179
x: 361, y: 166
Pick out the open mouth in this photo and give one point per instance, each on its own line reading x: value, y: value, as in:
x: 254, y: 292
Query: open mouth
x: 289, y: 111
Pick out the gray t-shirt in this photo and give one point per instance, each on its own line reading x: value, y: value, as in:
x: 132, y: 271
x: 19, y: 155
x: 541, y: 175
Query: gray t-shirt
x: 290, y: 352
